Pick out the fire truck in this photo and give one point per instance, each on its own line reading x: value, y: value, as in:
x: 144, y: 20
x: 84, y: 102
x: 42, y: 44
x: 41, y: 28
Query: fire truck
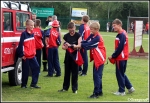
x: 13, y: 18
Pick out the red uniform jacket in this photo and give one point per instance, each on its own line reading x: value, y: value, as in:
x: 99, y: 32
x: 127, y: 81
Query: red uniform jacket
x: 38, y: 38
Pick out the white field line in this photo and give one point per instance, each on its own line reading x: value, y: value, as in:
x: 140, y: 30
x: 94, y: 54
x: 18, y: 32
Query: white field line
x: 105, y: 35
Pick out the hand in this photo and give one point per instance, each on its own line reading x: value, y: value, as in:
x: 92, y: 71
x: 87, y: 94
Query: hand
x: 24, y: 58
x: 67, y: 44
x: 110, y: 57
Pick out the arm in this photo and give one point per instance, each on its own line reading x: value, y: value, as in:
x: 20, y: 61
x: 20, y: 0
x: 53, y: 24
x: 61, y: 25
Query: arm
x: 20, y: 46
x: 81, y: 29
x: 79, y: 44
x: 42, y: 34
x: 91, y: 44
x: 47, y: 33
x: 120, y: 47
x: 58, y: 40
x: 64, y: 46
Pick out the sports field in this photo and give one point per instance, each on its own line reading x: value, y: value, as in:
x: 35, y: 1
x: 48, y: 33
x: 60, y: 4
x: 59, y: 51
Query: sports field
x: 137, y: 71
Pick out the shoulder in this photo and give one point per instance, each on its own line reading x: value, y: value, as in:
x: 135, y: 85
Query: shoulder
x: 77, y: 34
x: 24, y: 33
x: 121, y: 35
x: 66, y: 35
x: 82, y: 25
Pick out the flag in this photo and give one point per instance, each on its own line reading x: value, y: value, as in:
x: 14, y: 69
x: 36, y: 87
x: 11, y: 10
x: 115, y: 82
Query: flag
x: 76, y: 55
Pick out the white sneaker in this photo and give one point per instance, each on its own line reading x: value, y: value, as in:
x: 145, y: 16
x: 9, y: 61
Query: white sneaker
x: 131, y: 90
x: 120, y: 93
x: 75, y: 92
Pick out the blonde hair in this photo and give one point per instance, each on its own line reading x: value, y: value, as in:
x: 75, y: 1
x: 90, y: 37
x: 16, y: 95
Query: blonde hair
x: 29, y: 21
x: 95, y: 25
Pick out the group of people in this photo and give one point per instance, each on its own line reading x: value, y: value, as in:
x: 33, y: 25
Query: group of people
x: 76, y: 45
x: 109, y: 27
x: 145, y: 27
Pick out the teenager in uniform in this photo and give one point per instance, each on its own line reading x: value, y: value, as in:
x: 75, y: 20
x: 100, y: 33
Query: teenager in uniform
x: 120, y: 56
x: 38, y: 35
x: 71, y: 39
x: 84, y: 31
x: 54, y: 18
x: 97, y: 48
x: 52, y: 42
x: 27, y: 51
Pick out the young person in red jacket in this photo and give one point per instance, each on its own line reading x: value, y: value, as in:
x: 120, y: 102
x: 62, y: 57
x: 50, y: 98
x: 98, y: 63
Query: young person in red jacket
x: 38, y: 35
x: 95, y: 44
x: 27, y: 51
x: 120, y: 57
x: 52, y: 42
x: 84, y: 31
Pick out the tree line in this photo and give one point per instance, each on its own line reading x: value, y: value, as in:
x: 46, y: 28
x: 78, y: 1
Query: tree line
x: 104, y: 10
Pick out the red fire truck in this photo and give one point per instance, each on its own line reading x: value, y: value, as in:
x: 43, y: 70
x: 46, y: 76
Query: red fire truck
x: 13, y: 16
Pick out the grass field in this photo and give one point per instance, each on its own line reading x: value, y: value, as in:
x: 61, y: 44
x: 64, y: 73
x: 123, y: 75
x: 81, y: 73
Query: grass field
x: 137, y: 71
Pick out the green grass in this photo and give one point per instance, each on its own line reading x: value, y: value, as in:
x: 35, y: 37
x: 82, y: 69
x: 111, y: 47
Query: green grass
x: 137, y: 72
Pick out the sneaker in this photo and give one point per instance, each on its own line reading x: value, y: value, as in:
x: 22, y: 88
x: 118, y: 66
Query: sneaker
x: 131, y: 90
x: 94, y: 96
x: 75, y: 91
x: 23, y: 86
x: 48, y: 76
x: 57, y: 75
x: 119, y: 93
x: 80, y: 72
x: 62, y: 90
x: 35, y: 86
x: 83, y: 75
x: 100, y: 94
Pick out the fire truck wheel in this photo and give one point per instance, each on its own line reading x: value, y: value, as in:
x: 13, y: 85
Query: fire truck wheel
x: 15, y: 75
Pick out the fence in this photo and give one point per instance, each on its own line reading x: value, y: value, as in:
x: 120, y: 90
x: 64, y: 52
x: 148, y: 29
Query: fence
x: 65, y: 20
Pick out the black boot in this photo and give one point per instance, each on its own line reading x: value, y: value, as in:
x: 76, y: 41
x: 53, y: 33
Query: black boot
x: 45, y: 66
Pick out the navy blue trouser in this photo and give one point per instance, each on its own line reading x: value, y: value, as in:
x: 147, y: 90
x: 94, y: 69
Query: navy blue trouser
x: 71, y: 71
x: 85, y: 59
x: 38, y: 56
x: 34, y: 66
x: 53, y: 61
x: 122, y: 79
x: 97, y: 78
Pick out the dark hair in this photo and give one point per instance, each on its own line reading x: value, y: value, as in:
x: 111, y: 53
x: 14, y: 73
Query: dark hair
x: 71, y: 25
x: 85, y: 18
x: 49, y: 16
x: 37, y: 22
x: 117, y: 21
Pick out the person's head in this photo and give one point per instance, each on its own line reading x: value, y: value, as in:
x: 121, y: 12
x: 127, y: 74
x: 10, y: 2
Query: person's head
x: 7, y: 22
x: 33, y: 16
x: 29, y: 25
x: 71, y: 28
x: 85, y: 19
x: 50, y: 18
x: 55, y: 24
x: 37, y: 23
x: 54, y: 17
x: 117, y: 25
x: 94, y: 27
x: 17, y: 18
